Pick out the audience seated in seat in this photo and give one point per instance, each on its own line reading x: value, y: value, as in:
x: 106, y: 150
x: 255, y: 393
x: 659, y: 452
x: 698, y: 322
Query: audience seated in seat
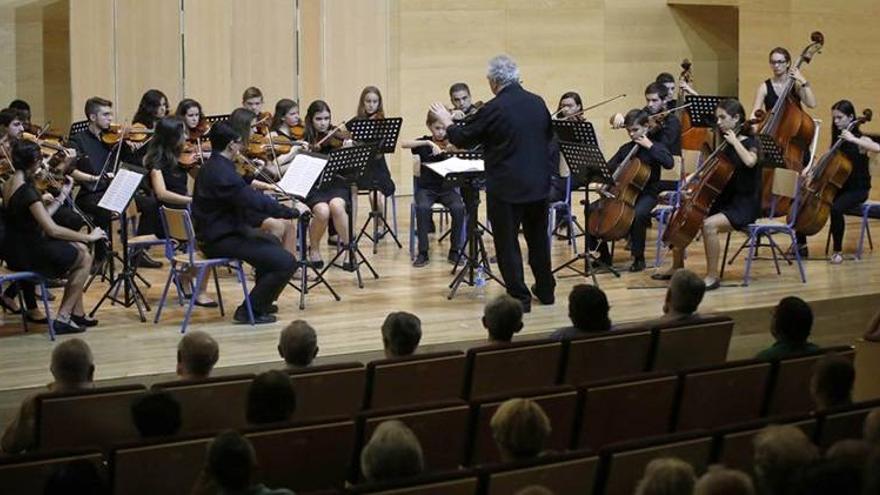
x: 849, y: 451
x: 156, y: 414
x: 520, y: 427
x: 588, y: 311
x: 78, y: 477
x: 723, y: 481
x: 271, y: 398
x: 828, y: 477
x: 781, y: 453
x: 790, y: 326
x: 502, y: 317
x: 73, y: 369
x: 231, y: 467
x: 832, y: 382
x: 298, y: 344
x: 197, y: 353
x: 667, y: 476
x: 393, y: 453
x: 401, y: 333
x: 534, y: 490
x: 872, y: 428
x: 683, y: 296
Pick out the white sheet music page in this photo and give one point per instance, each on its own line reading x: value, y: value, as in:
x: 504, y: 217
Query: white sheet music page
x: 301, y: 175
x: 120, y: 191
x: 456, y: 165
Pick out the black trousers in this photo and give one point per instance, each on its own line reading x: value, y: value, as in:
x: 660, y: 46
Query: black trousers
x: 846, y: 200
x: 274, y: 265
x: 642, y: 220
x: 507, y: 218
x: 425, y: 199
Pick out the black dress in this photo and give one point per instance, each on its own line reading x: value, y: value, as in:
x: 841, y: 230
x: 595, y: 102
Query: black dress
x: 740, y: 201
x: 377, y: 176
x: 26, y: 246
x: 337, y: 188
x: 175, y: 178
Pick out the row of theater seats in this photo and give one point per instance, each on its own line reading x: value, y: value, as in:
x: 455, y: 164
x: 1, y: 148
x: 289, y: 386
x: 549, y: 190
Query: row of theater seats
x: 315, y: 458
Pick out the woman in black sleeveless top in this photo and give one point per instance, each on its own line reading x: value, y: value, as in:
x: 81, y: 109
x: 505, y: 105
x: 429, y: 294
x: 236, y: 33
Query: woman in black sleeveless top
x: 768, y: 92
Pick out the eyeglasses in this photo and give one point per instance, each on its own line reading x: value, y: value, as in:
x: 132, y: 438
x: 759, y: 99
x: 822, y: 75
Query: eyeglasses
x: 778, y: 62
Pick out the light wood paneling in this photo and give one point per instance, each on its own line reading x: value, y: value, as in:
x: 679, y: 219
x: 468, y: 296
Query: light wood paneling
x: 7, y: 54
x: 311, y: 51
x: 56, y: 66
x: 208, y: 64
x: 29, y: 57
x: 92, y: 48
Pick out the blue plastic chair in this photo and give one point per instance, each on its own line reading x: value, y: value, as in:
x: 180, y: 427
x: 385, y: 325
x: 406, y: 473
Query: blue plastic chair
x: 563, y: 207
x: 40, y: 281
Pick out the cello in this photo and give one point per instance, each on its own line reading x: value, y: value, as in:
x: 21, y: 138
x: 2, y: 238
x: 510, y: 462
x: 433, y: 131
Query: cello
x: 692, y: 138
x: 790, y: 127
x: 822, y: 183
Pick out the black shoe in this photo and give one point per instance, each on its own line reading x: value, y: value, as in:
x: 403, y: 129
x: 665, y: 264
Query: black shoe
x: 453, y: 257
x: 545, y: 299
x: 55, y: 283
x: 241, y: 316
x: 273, y: 308
x: 526, y: 306
x: 144, y: 261
x: 421, y: 260
x: 332, y: 240
x: 661, y: 276
x: 82, y: 321
x: 638, y: 265
x: 63, y: 328
x: 349, y: 266
x: 714, y: 285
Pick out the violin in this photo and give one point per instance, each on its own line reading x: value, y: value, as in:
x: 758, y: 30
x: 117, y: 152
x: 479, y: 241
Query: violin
x: 49, y: 147
x: 200, y: 130
x: 579, y: 115
x: 6, y: 168
x: 137, y: 133
x: 298, y: 131
x: 190, y: 155
x: 264, y: 120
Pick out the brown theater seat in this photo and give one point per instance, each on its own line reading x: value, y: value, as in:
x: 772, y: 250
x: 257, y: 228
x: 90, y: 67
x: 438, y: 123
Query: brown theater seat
x: 166, y: 467
x: 560, y: 405
x: 626, y: 462
x: 28, y: 473
x: 605, y: 356
x: 415, y: 380
x: 736, y: 442
x: 501, y: 369
x: 722, y: 395
x: 449, y: 483
x: 99, y: 418
x: 790, y: 392
x: 212, y: 404
x: 627, y: 409
x: 697, y: 341
x: 566, y: 473
x: 843, y: 422
x: 328, y: 391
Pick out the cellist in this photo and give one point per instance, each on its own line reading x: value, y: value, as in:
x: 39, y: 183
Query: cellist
x: 739, y: 203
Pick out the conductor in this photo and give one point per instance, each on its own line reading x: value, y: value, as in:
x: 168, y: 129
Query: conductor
x: 515, y: 132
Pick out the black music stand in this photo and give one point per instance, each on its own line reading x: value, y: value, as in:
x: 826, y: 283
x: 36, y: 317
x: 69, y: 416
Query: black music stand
x: 348, y: 164
x: 586, y: 161
x: 383, y: 132
x: 575, y: 131
x: 771, y: 154
x: 702, y: 109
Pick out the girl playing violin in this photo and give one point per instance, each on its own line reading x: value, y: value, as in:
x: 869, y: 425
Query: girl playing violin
x: 286, y: 125
x: 767, y: 93
x: 377, y: 175
x: 739, y: 204
x: 570, y: 107
x: 152, y: 107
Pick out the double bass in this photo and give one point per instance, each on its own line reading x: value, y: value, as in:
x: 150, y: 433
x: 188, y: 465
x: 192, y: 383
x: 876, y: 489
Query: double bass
x: 692, y: 138
x: 822, y: 183
x: 790, y: 127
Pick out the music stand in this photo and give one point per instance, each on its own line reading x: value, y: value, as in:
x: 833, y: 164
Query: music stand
x: 384, y: 133
x: 702, y: 109
x: 772, y: 155
x: 575, y: 131
x: 348, y: 164
x: 586, y: 161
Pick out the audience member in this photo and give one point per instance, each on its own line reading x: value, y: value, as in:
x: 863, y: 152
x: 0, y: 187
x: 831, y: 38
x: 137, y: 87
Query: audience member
x: 872, y: 428
x: 197, y: 353
x: 723, y: 481
x: 534, y: 490
x: 832, y: 382
x: 520, y: 427
x: 684, y: 295
x: 791, y: 325
x: 230, y: 469
x: 849, y: 451
x: 588, y: 312
x: 781, y: 453
x: 828, y: 477
x: 873, y: 333
x: 871, y: 480
x: 78, y: 477
x: 271, y: 398
x: 73, y: 369
x: 502, y: 317
x: 298, y: 344
x: 393, y: 453
x: 667, y: 476
x: 156, y: 414
x: 401, y: 333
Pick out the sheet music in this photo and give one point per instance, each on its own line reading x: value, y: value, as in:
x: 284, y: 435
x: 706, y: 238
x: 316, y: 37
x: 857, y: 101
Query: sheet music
x: 301, y: 175
x: 456, y: 165
x: 120, y: 190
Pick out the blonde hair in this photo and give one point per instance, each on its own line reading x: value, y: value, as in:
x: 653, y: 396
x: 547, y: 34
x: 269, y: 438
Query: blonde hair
x: 393, y: 452
x: 667, y: 476
x: 780, y: 452
x: 520, y: 428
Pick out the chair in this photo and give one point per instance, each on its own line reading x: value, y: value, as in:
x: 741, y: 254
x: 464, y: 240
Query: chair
x: 626, y: 409
x: 40, y: 282
x: 866, y: 211
x: 330, y: 390
x: 137, y: 244
x: 178, y: 226
x: 212, y: 404
x: 77, y: 127
x: 735, y: 443
x: 29, y: 473
x: 435, y: 208
x: 415, y: 379
x: 722, y: 395
x: 669, y: 201
x: 503, y: 369
x: 790, y: 391
x: 565, y: 473
x: 843, y: 423
x: 458, y: 482
x: 97, y: 417
x: 163, y: 467
x: 607, y: 355
x: 563, y: 207
x: 559, y: 403
x: 697, y: 341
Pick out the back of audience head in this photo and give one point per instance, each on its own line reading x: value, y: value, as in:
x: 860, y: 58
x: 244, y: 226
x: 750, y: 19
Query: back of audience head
x: 520, y: 427
x: 502, y: 318
x: 872, y: 428
x: 832, y: 381
x: 685, y: 293
x: 849, y: 451
x: 667, y: 476
x: 156, y: 414
x: 298, y: 344
x: 231, y: 461
x: 393, y: 453
x: 588, y: 308
x: 197, y: 353
x: 271, y: 398
x: 401, y: 333
x: 781, y: 452
x: 792, y: 321
x: 828, y: 477
x: 720, y: 480
x: 72, y: 363
x: 77, y: 477
x: 535, y: 490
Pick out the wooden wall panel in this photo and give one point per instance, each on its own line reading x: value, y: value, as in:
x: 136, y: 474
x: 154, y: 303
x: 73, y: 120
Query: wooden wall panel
x: 56, y: 66
x: 207, y: 62
x: 92, y: 63
x: 7, y: 54
x: 29, y: 58
x: 311, y: 50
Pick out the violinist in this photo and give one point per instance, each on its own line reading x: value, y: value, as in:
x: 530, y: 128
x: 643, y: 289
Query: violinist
x: 672, y: 87
x: 11, y: 128
x: 739, y: 204
x: 462, y: 105
x: 252, y: 99
x: 195, y: 127
x: 286, y: 125
x: 857, y: 186
x: 152, y: 107
x: 768, y: 92
x: 377, y: 176
x: 432, y: 188
x: 24, y: 110
x: 656, y: 155
x: 570, y: 107
x: 34, y: 242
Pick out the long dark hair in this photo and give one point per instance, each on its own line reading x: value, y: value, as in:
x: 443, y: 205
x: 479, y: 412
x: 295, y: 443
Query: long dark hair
x: 569, y: 94
x: 25, y: 154
x: 734, y: 108
x: 184, y: 106
x: 240, y: 119
x: 281, y: 108
x: 150, y: 103
x: 845, y: 107
x: 362, y: 111
x: 316, y: 107
x: 164, y: 147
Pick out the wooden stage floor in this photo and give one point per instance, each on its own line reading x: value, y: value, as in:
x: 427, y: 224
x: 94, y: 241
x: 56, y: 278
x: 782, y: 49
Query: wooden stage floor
x: 124, y: 347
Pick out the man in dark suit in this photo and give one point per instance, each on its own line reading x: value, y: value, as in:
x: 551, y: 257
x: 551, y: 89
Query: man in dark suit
x: 220, y: 200
x: 515, y: 131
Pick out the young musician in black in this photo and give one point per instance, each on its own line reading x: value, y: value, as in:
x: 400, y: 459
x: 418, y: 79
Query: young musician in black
x: 462, y: 105
x: 221, y: 200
